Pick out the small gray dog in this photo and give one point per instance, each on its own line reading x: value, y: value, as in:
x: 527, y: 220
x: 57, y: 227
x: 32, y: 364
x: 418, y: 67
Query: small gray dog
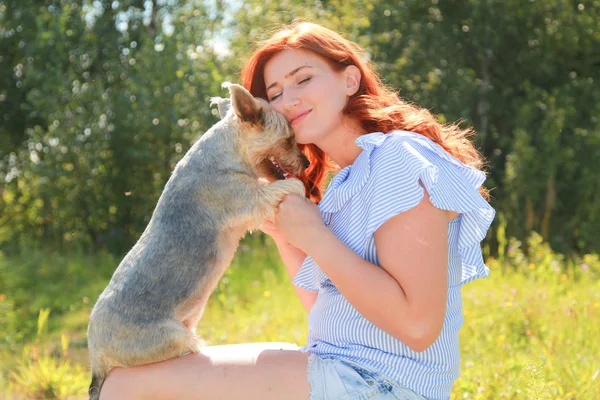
x: 151, y: 306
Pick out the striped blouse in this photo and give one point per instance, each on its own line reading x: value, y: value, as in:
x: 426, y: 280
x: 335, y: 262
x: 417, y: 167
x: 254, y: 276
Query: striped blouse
x: 383, y: 182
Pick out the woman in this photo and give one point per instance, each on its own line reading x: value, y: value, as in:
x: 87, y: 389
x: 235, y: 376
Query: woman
x: 380, y: 261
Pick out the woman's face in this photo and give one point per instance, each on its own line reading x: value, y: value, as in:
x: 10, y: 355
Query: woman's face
x: 308, y: 92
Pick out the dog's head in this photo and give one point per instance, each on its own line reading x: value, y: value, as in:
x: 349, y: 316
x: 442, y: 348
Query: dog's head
x: 266, y: 140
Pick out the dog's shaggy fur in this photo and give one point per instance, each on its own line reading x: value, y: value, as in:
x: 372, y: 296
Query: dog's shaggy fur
x: 149, y: 310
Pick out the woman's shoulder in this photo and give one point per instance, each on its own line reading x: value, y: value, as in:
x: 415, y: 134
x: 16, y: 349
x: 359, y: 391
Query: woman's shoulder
x: 395, y: 143
x: 411, y: 152
x: 400, y: 147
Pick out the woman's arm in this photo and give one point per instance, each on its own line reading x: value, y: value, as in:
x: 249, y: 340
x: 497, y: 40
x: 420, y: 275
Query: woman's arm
x: 292, y: 259
x: 407, y: 296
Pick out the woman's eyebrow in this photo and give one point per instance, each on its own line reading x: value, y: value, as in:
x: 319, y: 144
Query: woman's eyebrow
x: 290, y: 74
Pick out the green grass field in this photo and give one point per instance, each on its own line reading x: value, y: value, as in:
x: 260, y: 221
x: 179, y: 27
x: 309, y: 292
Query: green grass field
x: 531, y: 331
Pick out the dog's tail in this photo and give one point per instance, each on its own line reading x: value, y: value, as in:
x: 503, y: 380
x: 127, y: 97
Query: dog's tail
x: 96, y: 386
x: 223, y: 105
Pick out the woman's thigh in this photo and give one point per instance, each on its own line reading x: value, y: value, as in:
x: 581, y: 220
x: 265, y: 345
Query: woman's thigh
x: 232, y: 372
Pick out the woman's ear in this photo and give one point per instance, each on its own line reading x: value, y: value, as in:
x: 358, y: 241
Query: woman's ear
x: 353, y: 78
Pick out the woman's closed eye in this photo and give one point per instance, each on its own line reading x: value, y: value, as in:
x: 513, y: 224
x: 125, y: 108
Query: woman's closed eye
x: 300, y: 82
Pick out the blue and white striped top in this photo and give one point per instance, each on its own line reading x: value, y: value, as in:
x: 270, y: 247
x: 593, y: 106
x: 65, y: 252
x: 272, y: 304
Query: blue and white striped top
x: 383, y: 182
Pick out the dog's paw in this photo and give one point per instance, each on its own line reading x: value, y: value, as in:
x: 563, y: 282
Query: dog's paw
x: 295, y: 186
x: 274, y: 193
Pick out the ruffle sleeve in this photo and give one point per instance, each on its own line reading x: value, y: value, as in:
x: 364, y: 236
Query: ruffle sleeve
x: 307, y: 277
x: 399, y: 161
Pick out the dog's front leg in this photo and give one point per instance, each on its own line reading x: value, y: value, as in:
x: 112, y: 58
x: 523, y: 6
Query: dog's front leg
x: 272, y: 194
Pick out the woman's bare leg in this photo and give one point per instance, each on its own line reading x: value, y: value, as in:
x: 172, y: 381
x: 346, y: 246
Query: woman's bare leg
x: 254, y: 374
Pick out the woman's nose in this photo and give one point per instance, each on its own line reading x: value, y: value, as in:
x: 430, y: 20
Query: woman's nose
x: 291, y: 103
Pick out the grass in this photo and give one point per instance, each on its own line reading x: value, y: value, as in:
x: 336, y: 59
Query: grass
x: 531, y: 329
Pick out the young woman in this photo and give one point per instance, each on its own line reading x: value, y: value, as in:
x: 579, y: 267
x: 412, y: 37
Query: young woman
x: 378, y: 263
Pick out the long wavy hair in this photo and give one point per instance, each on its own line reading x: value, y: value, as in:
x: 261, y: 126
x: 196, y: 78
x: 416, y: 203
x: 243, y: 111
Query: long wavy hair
x: 378, y: 108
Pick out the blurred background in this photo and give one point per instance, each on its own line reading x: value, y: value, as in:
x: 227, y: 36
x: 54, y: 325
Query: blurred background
x: 100, y: 99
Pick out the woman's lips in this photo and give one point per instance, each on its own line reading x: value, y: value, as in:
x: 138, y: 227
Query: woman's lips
x: 299, y: 118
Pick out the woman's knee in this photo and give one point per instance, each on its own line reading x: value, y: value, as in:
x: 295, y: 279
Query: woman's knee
x: 123, y: 383
x: 155, y: 381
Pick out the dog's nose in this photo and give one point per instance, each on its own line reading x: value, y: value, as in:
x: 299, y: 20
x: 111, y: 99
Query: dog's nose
x: 306, y: 162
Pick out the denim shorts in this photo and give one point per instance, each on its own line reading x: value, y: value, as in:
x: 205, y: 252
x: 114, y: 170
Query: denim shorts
x: 334, y: 379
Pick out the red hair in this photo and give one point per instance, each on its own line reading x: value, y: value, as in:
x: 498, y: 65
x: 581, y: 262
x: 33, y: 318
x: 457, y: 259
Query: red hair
x: 378, y: 108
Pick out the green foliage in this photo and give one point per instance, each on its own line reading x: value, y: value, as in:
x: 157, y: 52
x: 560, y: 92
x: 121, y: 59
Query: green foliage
x: 46, y: 376
x: 525, y: 75
x: 38, y: 280
x: 536, y: 387
x: 109, y: 112
x: 525, y: 337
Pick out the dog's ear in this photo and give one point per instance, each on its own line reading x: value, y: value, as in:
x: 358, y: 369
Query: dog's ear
x: 244, y: 105
x: 223, y: 105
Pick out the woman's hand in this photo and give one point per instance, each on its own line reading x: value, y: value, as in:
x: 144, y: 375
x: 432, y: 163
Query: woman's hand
x: 299, y: 222
x: 269, y: 228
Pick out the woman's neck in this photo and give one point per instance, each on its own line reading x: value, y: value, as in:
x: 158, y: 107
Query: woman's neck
x: 340, y: 146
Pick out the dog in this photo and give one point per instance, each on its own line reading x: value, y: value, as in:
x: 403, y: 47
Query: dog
x: 228, y: 183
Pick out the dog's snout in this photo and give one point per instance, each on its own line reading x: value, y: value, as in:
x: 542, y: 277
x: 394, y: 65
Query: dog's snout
x: 305, y: 161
